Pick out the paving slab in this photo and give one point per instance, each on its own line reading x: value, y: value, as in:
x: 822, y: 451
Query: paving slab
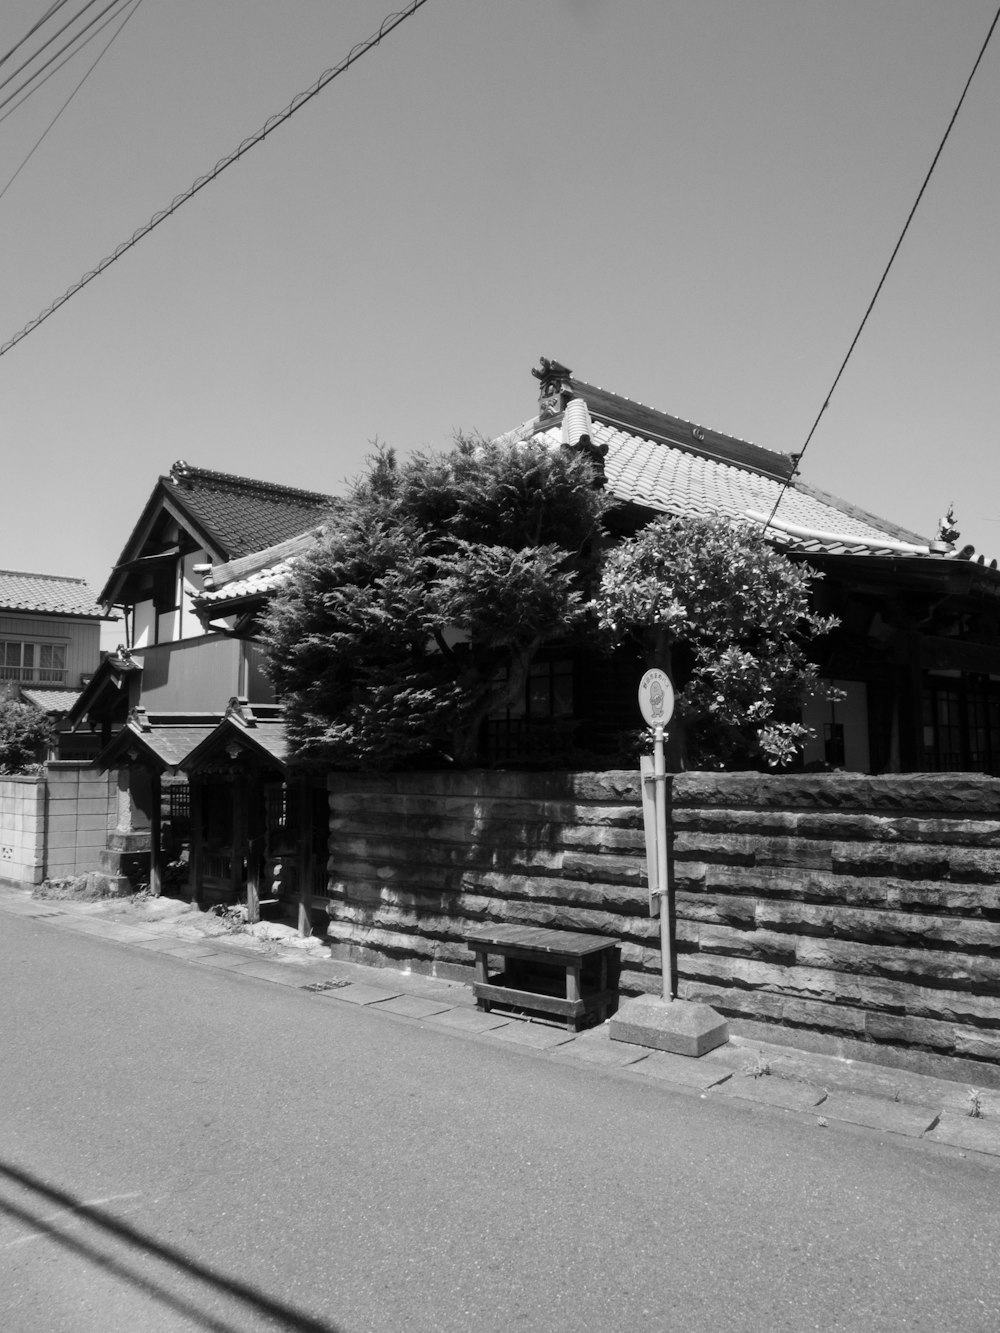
x: 84, y: 924
x: 538, y: 1036
x: 879, y: 1113
x: 773, y: 1090
x: 357, y: 992
x: 213, y: 958
x: 965, y: 1131
x: 469, y: 1020
x: 413, y: 1006
x: 265, y: 971
x: 683, y: 1070
x: 159, y: 943
x: 183, y: 950
x: 599, y: 1049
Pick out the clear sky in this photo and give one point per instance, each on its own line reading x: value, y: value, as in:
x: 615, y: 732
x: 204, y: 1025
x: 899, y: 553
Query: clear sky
x: 688, y: 202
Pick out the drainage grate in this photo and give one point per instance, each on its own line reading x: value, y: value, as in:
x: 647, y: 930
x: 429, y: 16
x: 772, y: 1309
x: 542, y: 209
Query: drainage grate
x: 42, y: 916
x: 324, y: 985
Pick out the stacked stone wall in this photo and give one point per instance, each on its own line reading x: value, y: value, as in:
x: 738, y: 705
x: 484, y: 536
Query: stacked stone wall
x: 863, y: 910
x: 846, y: 913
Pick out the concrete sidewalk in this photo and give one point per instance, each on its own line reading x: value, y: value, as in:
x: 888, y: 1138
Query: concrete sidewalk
x: 825, y: 1089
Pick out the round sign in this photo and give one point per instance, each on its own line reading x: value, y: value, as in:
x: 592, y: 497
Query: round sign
x: 656, y: 698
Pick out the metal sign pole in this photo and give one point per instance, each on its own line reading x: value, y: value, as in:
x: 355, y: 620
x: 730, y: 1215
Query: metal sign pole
x: 662, y: 883
x: 665, y: 1022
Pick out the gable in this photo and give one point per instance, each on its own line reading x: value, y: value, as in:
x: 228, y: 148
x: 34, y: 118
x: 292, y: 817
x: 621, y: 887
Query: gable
x: 226, y: 516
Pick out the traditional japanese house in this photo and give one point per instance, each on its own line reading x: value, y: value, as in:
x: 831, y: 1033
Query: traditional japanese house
x: 179, y: 676
x: 916, y: 657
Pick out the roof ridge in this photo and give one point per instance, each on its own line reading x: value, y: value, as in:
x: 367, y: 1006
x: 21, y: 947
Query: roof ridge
x: 183, y: 472
x: 55, y: 578
x: 682, y: 421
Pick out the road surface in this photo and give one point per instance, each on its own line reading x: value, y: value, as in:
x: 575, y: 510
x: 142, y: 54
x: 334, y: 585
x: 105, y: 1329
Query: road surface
x: 182, y: 1149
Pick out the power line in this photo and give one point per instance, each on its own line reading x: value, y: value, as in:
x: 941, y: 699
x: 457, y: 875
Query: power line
x: 52, y: 9
x: 104, y: 50
x: 53, y: 58
x: 391, y: 22
x: 53, y: 72
x: 885, y: 274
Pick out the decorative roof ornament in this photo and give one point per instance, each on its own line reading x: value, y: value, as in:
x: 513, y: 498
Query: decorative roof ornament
x: 554, y: 387
x: 947, y: 529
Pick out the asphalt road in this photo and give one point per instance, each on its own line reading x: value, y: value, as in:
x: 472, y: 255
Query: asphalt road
x: 184, y: 1149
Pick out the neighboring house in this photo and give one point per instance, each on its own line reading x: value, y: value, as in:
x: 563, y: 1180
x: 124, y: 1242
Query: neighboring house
x: 178, y: 676
x: 50, y: 647
x: 917, y: 653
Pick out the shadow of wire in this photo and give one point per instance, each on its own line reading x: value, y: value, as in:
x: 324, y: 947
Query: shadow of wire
x: 283, y: 1316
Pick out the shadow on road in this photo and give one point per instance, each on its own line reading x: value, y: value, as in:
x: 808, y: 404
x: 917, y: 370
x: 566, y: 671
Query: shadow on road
x: 281, y: 1316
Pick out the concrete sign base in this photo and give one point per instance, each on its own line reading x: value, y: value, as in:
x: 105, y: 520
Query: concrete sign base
x: 669, y: 1025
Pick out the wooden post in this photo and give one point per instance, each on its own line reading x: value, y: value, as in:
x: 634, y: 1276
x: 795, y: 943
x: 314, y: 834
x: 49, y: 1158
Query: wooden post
x: 155, y: 820
x: 305, y: 857
x: 196, y: 852
x: 246, y: 797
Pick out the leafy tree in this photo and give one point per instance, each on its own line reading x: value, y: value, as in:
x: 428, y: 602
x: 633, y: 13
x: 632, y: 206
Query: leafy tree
x: 729, y: 619
x: 421, y: 609
x: 25, y: 734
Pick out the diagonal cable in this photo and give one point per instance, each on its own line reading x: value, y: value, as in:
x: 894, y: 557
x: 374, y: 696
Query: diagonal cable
x: 104, y: 50
x: 391, y: 22
x: 885, y: 274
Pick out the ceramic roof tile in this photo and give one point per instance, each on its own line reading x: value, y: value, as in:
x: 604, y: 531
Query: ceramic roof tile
x: 242, y: 514
x: 50, y: 701
x: 675, y: 479
x: 256, y: 574
x: 46, y: 593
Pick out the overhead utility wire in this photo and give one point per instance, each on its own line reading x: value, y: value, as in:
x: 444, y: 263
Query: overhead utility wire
x: 53, y: 58
x: 885, y: 274
x: 388, y: 24
x: 103, y: 52
x: 52, y: 9
x: 53, y: 72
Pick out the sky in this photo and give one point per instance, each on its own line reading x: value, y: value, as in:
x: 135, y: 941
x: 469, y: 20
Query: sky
x: 687, y: 202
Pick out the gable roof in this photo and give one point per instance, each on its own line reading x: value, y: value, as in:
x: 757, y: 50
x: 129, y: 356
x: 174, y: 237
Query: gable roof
x: 659, y: 462
x: 230, y: 516
x: 47, y: 594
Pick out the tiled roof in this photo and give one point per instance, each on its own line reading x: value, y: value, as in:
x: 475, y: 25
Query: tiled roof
x: 244, y: 515
x: 254, y: 575
x: 160, y: 740
x: 46, y: 593
x: 50, y: 701
x: 662, y: 463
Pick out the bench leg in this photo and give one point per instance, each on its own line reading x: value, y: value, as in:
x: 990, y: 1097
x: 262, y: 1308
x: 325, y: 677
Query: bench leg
x: 482, y: 975
x: 572, y: 994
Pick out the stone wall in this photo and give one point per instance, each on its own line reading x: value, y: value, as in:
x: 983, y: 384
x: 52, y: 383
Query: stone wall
x: 55, y: 824
x: 850, y: 912
x: 844, y: 913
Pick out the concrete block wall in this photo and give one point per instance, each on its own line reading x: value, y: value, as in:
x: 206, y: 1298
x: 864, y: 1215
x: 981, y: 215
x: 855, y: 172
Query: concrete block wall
x: 22, y: 829
x: 82, y: 812
x: 854, y: 915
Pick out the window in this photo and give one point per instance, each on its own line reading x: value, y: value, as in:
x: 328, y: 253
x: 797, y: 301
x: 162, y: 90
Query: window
x: 33, y: 663
x: 961, y: 724
x: 538, y: 727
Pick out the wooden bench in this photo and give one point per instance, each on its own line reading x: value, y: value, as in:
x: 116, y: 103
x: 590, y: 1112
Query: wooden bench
x: 538, y: 964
